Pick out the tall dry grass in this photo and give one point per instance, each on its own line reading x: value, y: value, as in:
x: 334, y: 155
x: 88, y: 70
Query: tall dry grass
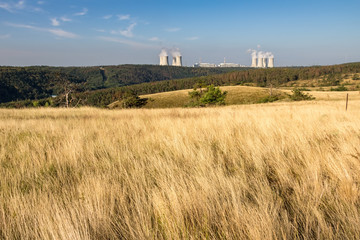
x: 280, y: 171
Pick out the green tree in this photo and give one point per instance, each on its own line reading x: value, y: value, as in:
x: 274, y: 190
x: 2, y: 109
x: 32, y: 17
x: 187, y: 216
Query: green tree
x: 298, y: 95
x: 210, y: 96
x: 132, y: 100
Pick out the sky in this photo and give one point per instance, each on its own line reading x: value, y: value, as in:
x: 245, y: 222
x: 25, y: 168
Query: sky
x: 113, y: 32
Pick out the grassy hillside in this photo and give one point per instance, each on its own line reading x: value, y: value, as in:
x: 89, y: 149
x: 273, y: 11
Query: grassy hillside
x: 239, y: 95
x: 236, y: 95
x: 274, y: 171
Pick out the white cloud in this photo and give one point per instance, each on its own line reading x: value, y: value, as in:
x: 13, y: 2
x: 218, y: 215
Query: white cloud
x: 127, y: 32
x: 192, y: 38
x: 100, y: 30
x: 106, y: 17
x: 5, y: 36
x: 128, y: 42
x: 82, y: 13
x: 154, y: 39
x: 40, y: 2
x: 123, y: 17
x: 6, y: 7
x: 65, y: 19
x: 54, y: 22
x: 20, y: 5
x: 56, y: 32
x: 13, y: 7
x: 10, y: 7
x: 62, y: 33
x: 173, y: 29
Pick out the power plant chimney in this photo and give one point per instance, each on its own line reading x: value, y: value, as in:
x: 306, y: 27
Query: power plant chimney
x: 271, y: 62
x: 174, y: 62
x: 264, y: 62
x: 179, y: 61
x: 260, y: 62
x: 164, y: 61
x: 254, y: 62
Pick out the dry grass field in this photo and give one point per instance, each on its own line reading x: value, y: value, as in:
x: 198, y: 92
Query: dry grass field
x: 236, y: 95
x: 265, y: 171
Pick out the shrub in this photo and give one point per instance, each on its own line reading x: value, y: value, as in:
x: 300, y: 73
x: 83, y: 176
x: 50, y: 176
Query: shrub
x: 339, y: 88
x: 210, y: 96
x: 133, y: 101
x: 298, y: 95
x: 269, y: 98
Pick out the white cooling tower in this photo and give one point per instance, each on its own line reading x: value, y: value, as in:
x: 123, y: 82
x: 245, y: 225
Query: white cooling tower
x: 264, y: 63
x: 271, y: 62
x: 254, y: 62
x: 164, y: 61
x: 179, y: 61
x: 260, y: 62
x: 174, y: 63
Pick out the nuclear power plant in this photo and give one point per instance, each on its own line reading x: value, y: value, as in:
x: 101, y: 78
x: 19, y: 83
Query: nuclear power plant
x: 262, y: 59
x: 177, y: 61
x: 259, y: 59
x: 176, y: 58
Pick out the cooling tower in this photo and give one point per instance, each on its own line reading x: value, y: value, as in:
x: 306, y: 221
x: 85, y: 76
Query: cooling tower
x: 271, y: 62
x: 264, y: 63
x: 174, y: 62
x: 164, y: 61
x: 254, y: 62
x: 179, y: 61
x: 260, y: 62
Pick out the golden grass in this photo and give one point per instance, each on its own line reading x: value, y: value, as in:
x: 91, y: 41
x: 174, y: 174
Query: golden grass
x: 275, y: 171
x: 236, y: 95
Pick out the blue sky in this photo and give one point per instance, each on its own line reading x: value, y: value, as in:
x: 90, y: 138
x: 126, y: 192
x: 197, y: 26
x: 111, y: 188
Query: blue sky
x: 109, y: 32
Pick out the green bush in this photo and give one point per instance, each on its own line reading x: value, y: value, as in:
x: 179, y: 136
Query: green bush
x: 339, y: 88
x: 210, y: 96
x: 298, y: 95
x: 269, y: 98
x: 131, y: 100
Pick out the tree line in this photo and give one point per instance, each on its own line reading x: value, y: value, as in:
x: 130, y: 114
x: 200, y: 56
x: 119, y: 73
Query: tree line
x: 21, y: 83
x: 83, y: 96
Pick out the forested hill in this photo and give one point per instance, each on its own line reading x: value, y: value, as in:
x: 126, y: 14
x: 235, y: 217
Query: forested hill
x: 20, y: 83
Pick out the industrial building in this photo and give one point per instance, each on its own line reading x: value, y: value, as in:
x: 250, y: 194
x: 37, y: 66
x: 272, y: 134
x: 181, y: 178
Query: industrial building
x: 204, y: 65
x: 176, y: 58
x: 262, y: 59
x: 164, y: 60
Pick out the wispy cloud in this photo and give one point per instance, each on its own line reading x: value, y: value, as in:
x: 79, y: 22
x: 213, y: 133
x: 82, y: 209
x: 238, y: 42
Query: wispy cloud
x: 128, y: 42
x: 154, y: 39
x: 14, y: 7
x: 127, y: 32
x: 56, y: 32
x: 106, y: 17
x: 123, y: 17
x: 172, y: 29
x: 192, y: 38
x: 82, y: 13
x: 54, y: 22
x: 20, y: 4
x: 40, y: 2
x: 11, y: 7
x: 5, y: 36
x: 62, y: 33
x: 6, y: 7
x: 65, y: 19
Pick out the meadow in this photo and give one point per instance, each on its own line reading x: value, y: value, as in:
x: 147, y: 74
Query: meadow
x: 265, y: 171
